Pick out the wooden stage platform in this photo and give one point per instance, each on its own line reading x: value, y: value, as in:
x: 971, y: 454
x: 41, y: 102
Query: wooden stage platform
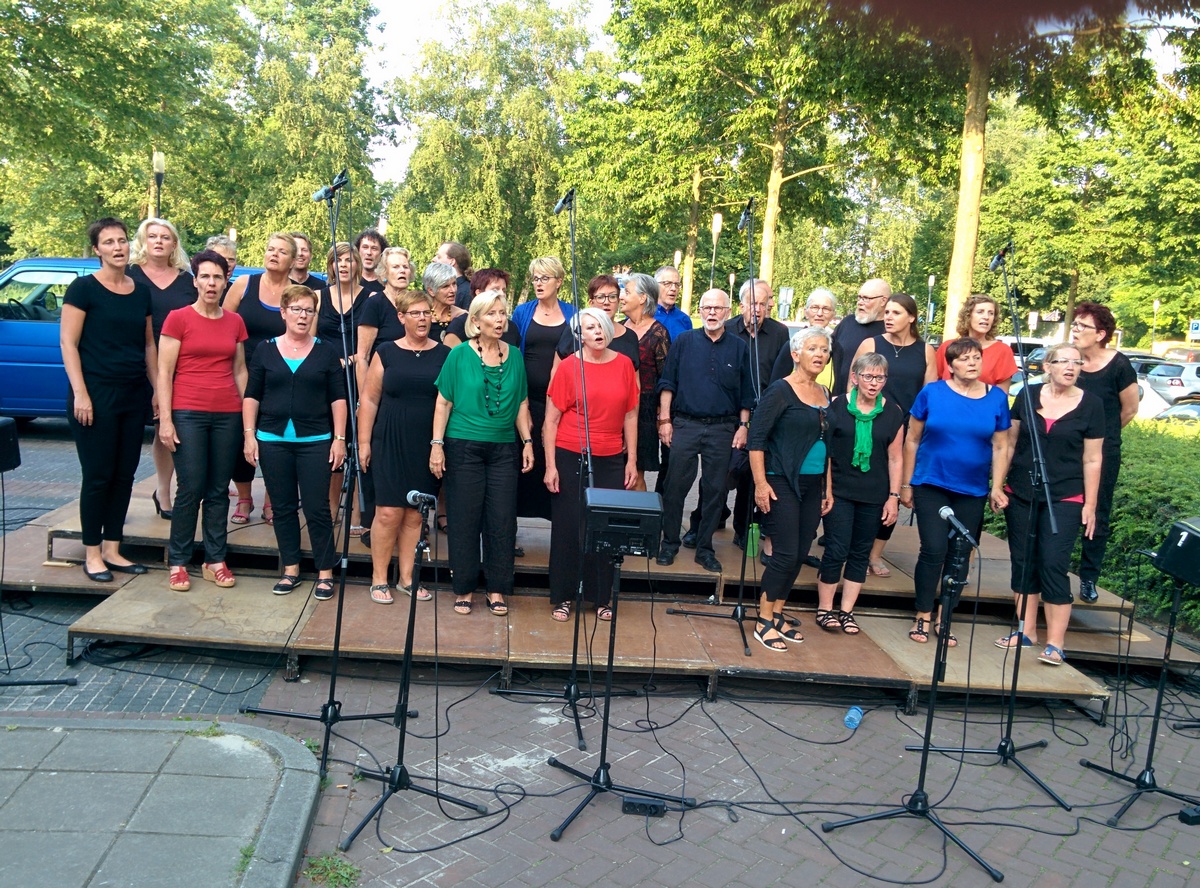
x: 44, y: 556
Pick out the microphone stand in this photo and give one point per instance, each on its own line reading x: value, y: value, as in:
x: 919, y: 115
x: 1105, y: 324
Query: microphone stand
x: 396, y: 778
x: 917, y: 804
x: 1007, y: 750
x: 738, y: 613
x: 331, y: 710
x: 571, y: 693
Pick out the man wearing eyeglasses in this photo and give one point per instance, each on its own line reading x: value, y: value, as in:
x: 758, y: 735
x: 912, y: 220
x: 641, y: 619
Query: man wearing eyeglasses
x: 705, y: 397
x: 853, y: 331
x: 668, y: 313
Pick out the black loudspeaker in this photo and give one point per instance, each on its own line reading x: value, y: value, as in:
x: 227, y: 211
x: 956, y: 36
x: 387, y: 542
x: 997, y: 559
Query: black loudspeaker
x: 622, y: 522
x: 10, y: 450
x: 1179, y: 555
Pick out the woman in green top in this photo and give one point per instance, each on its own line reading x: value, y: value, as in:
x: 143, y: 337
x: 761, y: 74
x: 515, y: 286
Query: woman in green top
x: 482, y: 403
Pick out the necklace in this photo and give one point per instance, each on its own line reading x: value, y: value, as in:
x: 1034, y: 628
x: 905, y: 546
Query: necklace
x: 896, y: 349
x: 408, y: 347
x: 493, y: 378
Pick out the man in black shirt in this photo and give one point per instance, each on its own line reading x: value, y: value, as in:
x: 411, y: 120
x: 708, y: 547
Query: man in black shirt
x: 866, y: 322
x: 455, y: 254
x: 370, y: 245
x: 705, y: 397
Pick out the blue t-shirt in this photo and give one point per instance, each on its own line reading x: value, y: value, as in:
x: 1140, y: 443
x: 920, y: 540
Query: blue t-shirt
x: 956, y: 445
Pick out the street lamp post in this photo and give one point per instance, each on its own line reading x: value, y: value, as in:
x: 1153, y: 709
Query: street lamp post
x: 716, y: 234
x: 160, y: 171
x: 1154, y: 329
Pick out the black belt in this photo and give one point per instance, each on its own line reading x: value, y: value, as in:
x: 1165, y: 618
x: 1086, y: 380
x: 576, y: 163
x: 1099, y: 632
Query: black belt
x: 706, y: 420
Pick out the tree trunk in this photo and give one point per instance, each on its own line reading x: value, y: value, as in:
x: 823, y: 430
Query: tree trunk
x: 1069, y: 313
x: 687, y: 274
x: 766, y: 259
x: 970, y: 186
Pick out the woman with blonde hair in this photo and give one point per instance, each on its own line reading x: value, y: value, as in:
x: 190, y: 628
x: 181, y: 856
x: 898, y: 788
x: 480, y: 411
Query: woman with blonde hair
x: 157, y: 260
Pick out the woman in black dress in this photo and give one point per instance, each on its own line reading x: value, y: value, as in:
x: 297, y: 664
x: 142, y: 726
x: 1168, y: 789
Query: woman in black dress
x: 108, y: 353
x: 157, y: 260
x: 256, y: 298
x: 395, y: 425
x: 912, y: 364
x: 380, y: 321
x: 294, y: 420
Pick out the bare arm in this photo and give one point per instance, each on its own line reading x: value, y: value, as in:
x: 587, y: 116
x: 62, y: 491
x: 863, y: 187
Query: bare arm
x: 1129, y: 404
x: 895, y: 462
x: 366, y: 341
x: 233, y: 298
x: 1093, y: 455
x: 437, y: 452
x: 241, y: 373
x: 368, y: 408
x: 630, y: 432
x: 168, y: 357
x: 549, y: 441
x: 916, y: 428
x: 931, y: 371
x: 525, y: 430
x: 665, y: 431
x: 249, y: 426
x: 69, y: 333
x: 337, y: 447
x: 1002, y: 451
x: 764, y: 494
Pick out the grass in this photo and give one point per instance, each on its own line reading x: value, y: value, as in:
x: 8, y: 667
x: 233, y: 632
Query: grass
x: 331, y: 870
x: 247, y: 854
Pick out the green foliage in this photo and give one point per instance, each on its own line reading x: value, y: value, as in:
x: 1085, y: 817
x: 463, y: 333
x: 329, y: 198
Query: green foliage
x: 332, y: 870
x: 245, y: 855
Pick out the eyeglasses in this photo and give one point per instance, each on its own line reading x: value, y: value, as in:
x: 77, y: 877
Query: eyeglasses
x: 606, y: 297
x: 713, y: 309
x: 297, y: 310
x: 543, y: 278
x: 1074, y: 362
x: 820, y: 308
x: 419, y: 314
x: 863, y: 297
x: 668, y: 283
x: 1079, y: 325
x: 873, y: 378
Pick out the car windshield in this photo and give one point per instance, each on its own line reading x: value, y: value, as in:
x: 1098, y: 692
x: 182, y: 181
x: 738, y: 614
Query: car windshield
x: 1167, y: 370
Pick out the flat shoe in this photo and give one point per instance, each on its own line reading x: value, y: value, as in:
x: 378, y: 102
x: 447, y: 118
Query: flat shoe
x: 562, y: 613
x: 462, y: 606
x: 242, y: 515
x: 100, y: 576
x: 918, y: 633
x: 772, y: 644
x: 1008, y: 643
x: 287, y: 583
x: 380, y: 594
x: 879, y: 569
x: 605, y: 613
x: 1053, y: 656
x: 323, y: 590
x: 135, y: 569
x: 423, y: 594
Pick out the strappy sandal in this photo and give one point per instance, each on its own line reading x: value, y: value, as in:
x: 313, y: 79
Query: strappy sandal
x: 771, y: 644
x: 381, y: 594
x: 356, y: 530
x: 793, y: 635
x: 422, y: 594
x: 268, y: 513
x: 847, y: 622
x: 605, y: 613
x: 1009, y: 642
x: 240, y: 515
x: 562, y: 613
x: 462, y: 606
x: 828, y: 620
x: 1053, y: 656
x: 498, y: 608
x: 951, y: 641
x: 441, y: 524
x: 879, y: 569
x: 919, y: 633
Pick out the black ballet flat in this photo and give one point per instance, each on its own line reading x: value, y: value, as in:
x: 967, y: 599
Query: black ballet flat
x: 100, y: 576
x: 135, y: 569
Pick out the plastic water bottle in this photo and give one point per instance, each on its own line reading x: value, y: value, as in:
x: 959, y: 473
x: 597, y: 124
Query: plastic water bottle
x: 853, y: 717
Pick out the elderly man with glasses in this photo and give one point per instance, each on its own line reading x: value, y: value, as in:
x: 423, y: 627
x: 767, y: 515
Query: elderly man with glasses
x: 668, y: 313
x: 706, y: 394
x: 867, y: 321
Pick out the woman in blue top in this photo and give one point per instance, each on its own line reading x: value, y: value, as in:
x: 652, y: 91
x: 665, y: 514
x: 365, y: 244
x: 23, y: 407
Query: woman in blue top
x: 956, y: 435
x: 294, y: 420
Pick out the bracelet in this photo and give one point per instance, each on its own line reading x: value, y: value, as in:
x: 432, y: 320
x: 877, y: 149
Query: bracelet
x: 438, y: 441
x: 663, y: 422
x: 251, y: 431
x: 339, y: 437
x: 906, y: 487
x: 527, y: 440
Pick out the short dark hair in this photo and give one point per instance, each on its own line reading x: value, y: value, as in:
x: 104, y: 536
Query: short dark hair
x: 210, y: 256
x: 959, y: 347
x: 1101, y: 316
x: 461, y: 256
x: 484, y: 278
x: 371, y: 234
x: 599, y: 281
x: 93, y: 230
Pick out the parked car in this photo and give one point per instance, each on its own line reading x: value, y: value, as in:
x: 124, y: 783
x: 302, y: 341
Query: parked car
x: 1175, y: 382
x: 32, y: 379
x: 1144, y: 362
x: 1183, y: 354
x: 1185, y: 411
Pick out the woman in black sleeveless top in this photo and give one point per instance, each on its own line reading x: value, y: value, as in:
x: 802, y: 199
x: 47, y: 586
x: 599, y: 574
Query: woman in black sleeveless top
x: 256, y: 298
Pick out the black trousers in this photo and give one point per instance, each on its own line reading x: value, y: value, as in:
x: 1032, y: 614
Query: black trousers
x: 480, y: 485
x: 704, y: 445
x: 792, y: 526
x: 567, y: 558
x: 1045, y: 572
x: 290, y: 469
x: 1091, y: 555
x: 109, y: 450
x: 936, y: 555
x: 203, y: 463
x: 850, y: 530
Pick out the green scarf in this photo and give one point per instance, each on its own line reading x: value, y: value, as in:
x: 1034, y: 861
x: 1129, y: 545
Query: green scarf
x: 862, y: 430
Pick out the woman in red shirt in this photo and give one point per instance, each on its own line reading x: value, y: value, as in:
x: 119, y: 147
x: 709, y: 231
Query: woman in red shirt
x: 610, y: 435
x: 201, y: 379
x: 977, y: 320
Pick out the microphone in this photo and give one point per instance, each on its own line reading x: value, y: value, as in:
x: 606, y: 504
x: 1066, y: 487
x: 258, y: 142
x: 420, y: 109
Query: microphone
x: 416, y: 499
x: 340, y: 181
x: 947, y: 514
x: 999, y: 258
x: 567, y: 200
x: 745, y: 220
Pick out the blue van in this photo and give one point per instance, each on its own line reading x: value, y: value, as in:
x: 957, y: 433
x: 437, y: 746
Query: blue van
x: 32, y: 379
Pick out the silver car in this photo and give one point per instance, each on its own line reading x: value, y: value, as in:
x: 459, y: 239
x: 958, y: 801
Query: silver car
x: 1174, y: 382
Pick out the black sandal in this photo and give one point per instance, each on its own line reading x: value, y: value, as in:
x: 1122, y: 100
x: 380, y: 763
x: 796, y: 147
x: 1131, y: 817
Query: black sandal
x: 828, y: 620
x: 498, y: 608
x: 781, y: 626
x: 440, y: 522
x: 918, y: 632
x: 771, y: 644
x: 846, y: 620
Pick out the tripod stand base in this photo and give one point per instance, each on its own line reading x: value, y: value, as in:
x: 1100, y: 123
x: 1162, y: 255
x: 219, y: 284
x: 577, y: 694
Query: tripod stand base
x: 1007, y: 752
x: 918, y: 806
x: 1143, y: 783
x: 600, y: 782
x: 397, y: 779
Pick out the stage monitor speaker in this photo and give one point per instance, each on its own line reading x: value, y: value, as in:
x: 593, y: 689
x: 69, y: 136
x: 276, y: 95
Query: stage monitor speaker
x: 1179, y: 555
x: 10, y: 450
x: 622, y: 522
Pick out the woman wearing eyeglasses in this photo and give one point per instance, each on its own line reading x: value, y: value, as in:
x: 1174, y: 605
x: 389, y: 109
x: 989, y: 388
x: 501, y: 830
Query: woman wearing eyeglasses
x: 956, y: 438
x: 541, y: 323
x: 977, y: 320
x: 294, y: 421
x: 788, y: 459
x: 482, y: 401
x: 1069, y: 423
x: 604, y: 294
x: 866, y: 443
x: 1108, y: 375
